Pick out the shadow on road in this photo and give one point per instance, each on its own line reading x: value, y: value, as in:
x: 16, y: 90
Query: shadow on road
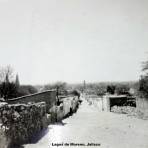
x: 60, y: 123
x: 38, y: 136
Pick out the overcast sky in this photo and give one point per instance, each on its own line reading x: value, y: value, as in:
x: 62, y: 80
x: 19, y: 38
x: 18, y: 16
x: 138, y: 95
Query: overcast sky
x: 74, y: 40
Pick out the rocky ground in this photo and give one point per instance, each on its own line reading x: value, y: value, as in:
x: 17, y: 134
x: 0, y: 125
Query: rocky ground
x: 88, y: 125
x: 130, y: 111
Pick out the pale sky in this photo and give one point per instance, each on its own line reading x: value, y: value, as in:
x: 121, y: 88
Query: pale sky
x: 74, y: 40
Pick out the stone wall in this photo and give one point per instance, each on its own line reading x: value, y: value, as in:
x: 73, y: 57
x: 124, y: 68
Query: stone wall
x: 142, y: 105
x: 68, y: 105
x: 21, y: 121
x: 101, y: 103
x: 4, y: 142
x: 117, y: 100
x: 47, y: 96
x: 122, y: 100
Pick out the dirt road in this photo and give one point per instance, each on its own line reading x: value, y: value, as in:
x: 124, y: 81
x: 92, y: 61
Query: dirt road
x: 99, y: 129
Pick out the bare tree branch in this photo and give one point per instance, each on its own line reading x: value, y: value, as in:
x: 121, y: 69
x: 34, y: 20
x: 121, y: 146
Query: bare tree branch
x: 6, y: 72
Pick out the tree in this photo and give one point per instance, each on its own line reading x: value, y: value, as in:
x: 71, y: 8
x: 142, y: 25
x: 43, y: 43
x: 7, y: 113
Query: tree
x: 145, y: 66
x: 122, y: 89
x: 8, y: 88
x: 61, y: 87
x: 143, y: 86
x: 143, y: 82
x: 75, y: 93
x: 111, y: 89
x: 26, y: 90
x: 6, y: 74
x: 17, y: 82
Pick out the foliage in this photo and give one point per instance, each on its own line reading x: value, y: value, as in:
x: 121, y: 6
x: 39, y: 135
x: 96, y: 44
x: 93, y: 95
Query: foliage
x: 122, y: 89
x: 145, y: 66
x: 111, y: 89
x: 75, y: 93
x: 143, y: 86
x: 26, y: 90
x: 6, y: 73
x: 8, y: 90
x: 143, y: 82
x: 61, y: 87
x: 101, y: 88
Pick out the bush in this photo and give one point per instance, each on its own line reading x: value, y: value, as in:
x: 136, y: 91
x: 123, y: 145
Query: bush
x: 26, y: 90
x: 8, y: 90
x: 122, y: 89
x: 75, y: 93
x: 111, y: 89
x: 143, y: 82
x: 143, y: 86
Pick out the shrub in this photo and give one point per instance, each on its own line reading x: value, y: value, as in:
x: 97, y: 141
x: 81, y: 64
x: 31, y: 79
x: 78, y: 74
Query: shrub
x: 122, y: 89
x: 111, y: 89
x: 143, y: 86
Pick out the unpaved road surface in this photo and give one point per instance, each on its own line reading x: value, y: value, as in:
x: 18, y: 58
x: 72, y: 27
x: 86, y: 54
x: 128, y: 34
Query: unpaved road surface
x: 88, y: 125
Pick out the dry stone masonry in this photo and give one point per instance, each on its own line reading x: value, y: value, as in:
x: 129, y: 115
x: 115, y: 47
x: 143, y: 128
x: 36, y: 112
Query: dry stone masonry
x: 21, y: 121
x: 22, y: 118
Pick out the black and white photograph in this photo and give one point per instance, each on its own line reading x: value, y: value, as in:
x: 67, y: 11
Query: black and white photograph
x: 73, y: 73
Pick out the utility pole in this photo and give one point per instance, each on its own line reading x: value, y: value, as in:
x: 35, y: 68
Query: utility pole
x: 84, y: 86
